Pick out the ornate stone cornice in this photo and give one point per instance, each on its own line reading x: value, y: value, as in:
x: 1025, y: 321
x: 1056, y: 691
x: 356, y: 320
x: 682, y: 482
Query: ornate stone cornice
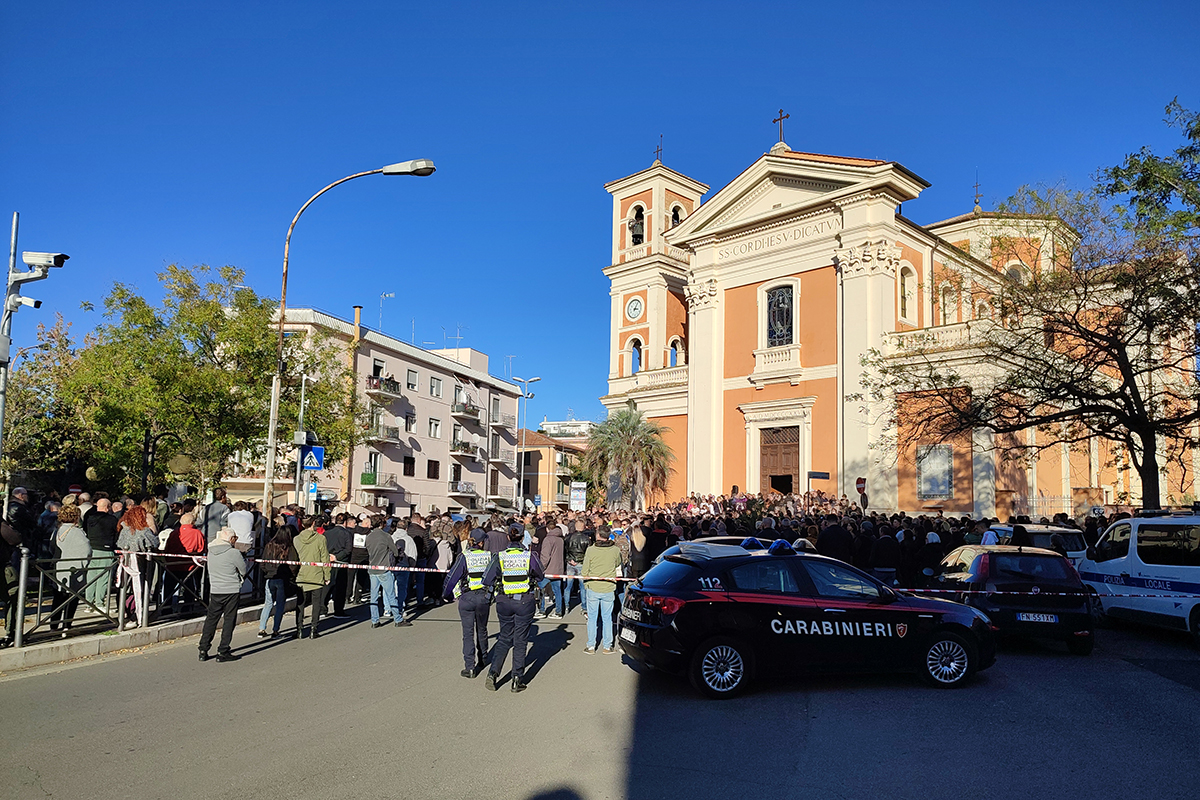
x: 869, y: 258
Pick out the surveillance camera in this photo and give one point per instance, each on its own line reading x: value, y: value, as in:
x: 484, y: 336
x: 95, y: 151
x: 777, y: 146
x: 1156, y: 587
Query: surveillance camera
x: 16, y: 301
x: 44, y: 259
x: 29, y: 301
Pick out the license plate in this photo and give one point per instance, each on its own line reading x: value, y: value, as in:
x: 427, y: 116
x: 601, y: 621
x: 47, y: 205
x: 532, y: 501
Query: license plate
x: 1022, y: 617
x: 631, y: 613
x: 628, y: 635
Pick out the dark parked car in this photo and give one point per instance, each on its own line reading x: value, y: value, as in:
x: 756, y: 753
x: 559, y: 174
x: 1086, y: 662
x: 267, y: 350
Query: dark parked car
x: 721, y: 613
x: 1025, y: 591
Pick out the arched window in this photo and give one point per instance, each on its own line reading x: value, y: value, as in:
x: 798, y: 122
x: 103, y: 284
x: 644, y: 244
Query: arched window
x: 673, y: 356
x: 779, y: 317
x: 983, y: 311
x: 947, y: 301
x: 635, y: 356
x: 1014, y: 275
x: 676, y: 216
x: 676, y: 356
x: 637, y: 227
x: 908, y: 293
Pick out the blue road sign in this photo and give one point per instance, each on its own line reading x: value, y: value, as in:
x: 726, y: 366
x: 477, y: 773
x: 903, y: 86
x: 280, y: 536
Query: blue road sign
x: 312, y: 457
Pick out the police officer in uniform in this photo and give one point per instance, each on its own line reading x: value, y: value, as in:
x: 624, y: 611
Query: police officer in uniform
x: 465, y: 583
x: 517, y: 570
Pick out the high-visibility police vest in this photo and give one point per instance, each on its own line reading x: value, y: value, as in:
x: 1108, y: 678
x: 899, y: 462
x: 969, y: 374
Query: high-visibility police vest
x: 514, y: 571
x: 477, y: 564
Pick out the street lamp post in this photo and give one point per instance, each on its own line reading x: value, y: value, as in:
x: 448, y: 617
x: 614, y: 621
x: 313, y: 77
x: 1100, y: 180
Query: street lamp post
x: 419, y: 167
x: 527, y: 395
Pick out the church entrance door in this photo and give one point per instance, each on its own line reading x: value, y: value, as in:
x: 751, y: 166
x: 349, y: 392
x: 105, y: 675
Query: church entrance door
x: 779, y: 459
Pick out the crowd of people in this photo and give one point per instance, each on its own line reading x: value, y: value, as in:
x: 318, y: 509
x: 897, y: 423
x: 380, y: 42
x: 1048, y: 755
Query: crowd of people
x: 92, y: 543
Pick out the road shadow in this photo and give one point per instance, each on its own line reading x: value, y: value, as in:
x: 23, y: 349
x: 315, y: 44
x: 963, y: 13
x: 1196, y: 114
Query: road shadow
x: 563, y: 793
x: 545, y: 643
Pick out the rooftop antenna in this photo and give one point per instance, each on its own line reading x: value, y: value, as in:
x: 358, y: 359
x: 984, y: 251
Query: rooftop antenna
x: 508, y: 366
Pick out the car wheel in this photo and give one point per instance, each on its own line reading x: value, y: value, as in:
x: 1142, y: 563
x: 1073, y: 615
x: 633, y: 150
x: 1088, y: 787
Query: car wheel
x: 721, y: 667
x: 1081, y: 645
x: 949, y: 660
x: 1096, y: 609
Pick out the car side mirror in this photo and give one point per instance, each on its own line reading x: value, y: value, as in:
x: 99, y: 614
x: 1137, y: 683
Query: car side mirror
x: 1091, y: 553
x: 886, y: 595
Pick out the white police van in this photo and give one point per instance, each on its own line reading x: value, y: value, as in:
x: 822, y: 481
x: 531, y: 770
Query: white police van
x: 1156, y: 559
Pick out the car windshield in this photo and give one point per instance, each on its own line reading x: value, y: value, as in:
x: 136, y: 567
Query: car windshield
x: 1030, y: 567
x: 1073, y: 541
x: 666, y: 574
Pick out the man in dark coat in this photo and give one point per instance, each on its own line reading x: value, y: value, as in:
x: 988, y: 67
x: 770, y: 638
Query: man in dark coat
x: 835, y: 541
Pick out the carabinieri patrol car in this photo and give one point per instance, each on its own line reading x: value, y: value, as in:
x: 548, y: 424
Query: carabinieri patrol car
x: 722, y: 613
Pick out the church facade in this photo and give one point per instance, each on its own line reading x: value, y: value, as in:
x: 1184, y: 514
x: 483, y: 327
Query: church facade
x: 740, y: 323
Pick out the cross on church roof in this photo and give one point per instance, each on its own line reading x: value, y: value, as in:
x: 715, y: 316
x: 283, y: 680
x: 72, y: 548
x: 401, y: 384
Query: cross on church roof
x: 782, y: 116
x: 658, y: 150
x: 977, y: 194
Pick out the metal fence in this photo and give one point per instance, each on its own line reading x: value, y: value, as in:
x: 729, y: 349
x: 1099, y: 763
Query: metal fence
x: 60, y: 598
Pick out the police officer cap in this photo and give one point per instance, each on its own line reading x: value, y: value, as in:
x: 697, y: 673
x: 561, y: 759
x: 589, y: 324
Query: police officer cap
x: 516, y: 532
x: 478, y: 535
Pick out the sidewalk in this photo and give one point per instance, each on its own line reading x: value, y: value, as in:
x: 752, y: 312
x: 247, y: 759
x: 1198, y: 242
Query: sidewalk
x: 40, y: 655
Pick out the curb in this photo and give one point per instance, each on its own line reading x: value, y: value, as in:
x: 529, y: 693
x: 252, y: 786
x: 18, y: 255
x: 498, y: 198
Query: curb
x: 40, y: 655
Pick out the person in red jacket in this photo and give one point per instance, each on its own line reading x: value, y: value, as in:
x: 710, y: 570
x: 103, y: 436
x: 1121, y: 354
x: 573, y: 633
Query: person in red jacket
x: 182, y: 579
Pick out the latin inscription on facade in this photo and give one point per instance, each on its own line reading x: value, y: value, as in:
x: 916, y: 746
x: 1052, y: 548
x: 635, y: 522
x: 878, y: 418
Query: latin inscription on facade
x: 796, y: 233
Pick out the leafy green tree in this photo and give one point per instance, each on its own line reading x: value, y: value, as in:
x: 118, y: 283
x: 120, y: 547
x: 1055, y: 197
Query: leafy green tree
x: 1097, y: 339
x: 37, y: 435
x: 630, y: 447
x: 198, y: 365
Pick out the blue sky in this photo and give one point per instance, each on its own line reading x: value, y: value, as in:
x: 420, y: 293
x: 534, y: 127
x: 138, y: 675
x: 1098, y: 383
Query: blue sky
x: 141, y: 134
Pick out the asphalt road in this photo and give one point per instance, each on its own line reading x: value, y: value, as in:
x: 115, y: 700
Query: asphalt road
x: 364, y: 713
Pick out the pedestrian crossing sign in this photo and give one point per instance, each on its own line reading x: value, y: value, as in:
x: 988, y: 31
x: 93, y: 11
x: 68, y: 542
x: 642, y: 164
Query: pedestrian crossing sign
x: 312, y: 457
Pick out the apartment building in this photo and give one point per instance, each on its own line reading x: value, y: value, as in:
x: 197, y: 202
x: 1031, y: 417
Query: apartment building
x: 546, y: 471
x: 442, y: 433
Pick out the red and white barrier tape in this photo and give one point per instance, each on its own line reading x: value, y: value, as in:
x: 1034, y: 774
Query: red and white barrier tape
x: 343, y: 565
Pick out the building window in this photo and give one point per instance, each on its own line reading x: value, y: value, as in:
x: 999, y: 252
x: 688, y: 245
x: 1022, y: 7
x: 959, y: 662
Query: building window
x: 435, y: 387
x: 635, y: 356
x: 908, y: 292
x: 459, y: 396
x: 495, y: 443
x: 947, y: 301
x: 412, y: 379
x: 495, y: 408
x: 377, y: 368
x: 410, y: 466
x: 373, y: 463
x: 637, y: 227
x: 456, y: 433
x: 779, y: 317
x: 525, y: 488
x: 435, y: 428
x: 456, y: 472
x: 935, y: 472
x: 410, y: 423
x: 676, y: 216
x: 433, y: 469
x: 983, y: 311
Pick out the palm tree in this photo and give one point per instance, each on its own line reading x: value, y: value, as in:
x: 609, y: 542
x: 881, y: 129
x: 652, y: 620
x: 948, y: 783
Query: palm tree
x: 631, y: 448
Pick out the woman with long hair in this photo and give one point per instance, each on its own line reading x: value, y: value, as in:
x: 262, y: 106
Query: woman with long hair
x: 135, y: 536
x: 280, y: 578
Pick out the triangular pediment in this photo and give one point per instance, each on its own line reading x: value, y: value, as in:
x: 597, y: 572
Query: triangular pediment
x: 783, y: 183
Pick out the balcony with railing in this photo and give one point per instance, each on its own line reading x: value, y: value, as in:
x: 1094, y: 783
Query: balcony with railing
x: 384, y: 433
x: 502, y: 493
x: 466, y: 450
x: 465, y: 411
x: 957, y: 336
x: 562, y: 498
x: 383, y: 389
x: 502, y: 455
x: 461, y: 488
x: 644, y: 250
x: 505, y: 421
x: 379, y: 481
